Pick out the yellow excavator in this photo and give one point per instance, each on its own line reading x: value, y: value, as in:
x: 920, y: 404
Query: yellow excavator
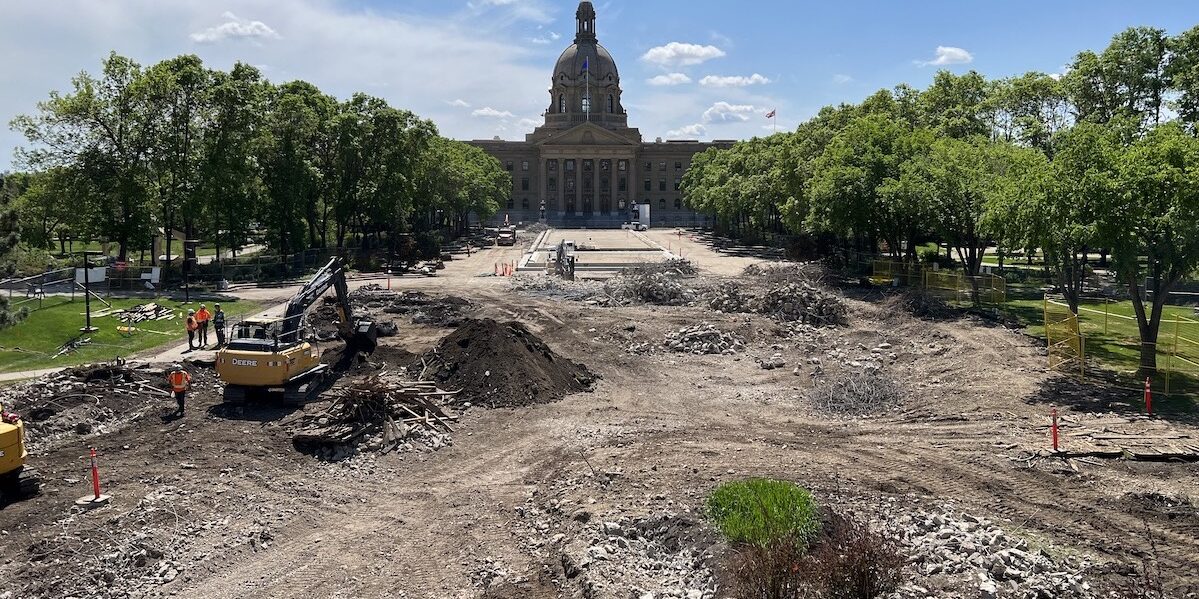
x: 270, y: 357
x: 16, y: 479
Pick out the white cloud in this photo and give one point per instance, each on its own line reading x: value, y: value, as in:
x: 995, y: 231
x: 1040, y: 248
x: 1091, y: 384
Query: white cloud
x: 340, y: 47
x: 234, y: 28
x: 733, y: 81
x: 459, y: 103
x: 680, y: 54
x: 842, y: 79
x: 526, y: 10
x: 549, y: 38
x: 669, y: 79
x: 693, y: 130
x: 723, y: 112
x: 947, y: 55
x: 491, y: 113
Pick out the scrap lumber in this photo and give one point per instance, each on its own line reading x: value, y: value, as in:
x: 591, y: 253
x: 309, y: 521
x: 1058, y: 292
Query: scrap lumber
x: 378, y: 404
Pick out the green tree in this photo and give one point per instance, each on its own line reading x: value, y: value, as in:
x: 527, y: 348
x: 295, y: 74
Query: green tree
x: 230, y: 182
x: 1183, y: 74
x: 1152, y: 224
x: 104, y: 130
x: 1128, y: 79
x: 286, y: 151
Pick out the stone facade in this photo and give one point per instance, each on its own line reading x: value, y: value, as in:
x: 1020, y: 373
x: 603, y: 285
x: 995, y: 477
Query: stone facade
x: 585, y: 166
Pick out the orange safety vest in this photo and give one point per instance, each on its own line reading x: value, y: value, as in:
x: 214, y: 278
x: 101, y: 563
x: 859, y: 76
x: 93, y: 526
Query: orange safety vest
x: 192, y: 324
x: 203, y: 315
x: 179, y: 380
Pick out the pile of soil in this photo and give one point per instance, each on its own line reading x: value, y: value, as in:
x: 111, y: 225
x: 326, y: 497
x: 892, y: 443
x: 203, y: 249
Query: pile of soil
x: 501, y: 365
x: 384, y: 356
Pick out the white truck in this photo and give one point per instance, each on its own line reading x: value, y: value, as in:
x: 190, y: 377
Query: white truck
x: 638, y: 218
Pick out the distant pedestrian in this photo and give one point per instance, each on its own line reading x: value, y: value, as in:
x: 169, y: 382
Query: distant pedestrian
x: 192, y: 326
x: 180, y: 382
x: 218, y: 324
x: 202, y: 318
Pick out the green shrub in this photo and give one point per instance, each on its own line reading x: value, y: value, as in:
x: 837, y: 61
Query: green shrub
x: 761, y: 511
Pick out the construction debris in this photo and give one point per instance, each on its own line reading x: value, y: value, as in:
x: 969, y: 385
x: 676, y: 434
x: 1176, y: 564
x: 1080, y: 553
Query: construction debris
x: 385, y: 411
x: 801, y: 301
x: 855, y: 393
x: 703, y: 339
x: 142, y: 313
x: 728, y: 297
x: 649, y: 285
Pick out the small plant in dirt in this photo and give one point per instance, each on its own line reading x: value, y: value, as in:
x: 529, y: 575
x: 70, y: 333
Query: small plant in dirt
x: 922, y: 304
x: 783, y: 550
x: 855, y: 393
x: 761, y: 511
x: 851, y: 561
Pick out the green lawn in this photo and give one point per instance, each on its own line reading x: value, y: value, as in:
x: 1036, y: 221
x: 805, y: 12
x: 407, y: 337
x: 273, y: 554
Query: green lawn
x: 31, y: 344
x: 1113, y: 342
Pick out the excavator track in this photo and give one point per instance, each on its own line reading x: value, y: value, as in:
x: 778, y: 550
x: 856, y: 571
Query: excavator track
x: 22, y: 484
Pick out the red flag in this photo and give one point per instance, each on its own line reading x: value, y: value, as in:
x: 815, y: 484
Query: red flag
x: 770, y: 114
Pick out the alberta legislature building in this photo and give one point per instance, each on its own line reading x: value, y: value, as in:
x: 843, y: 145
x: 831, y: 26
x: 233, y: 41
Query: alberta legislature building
x: 585, y: 167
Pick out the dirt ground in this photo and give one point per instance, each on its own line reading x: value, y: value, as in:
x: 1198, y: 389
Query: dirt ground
x: 220, y: 504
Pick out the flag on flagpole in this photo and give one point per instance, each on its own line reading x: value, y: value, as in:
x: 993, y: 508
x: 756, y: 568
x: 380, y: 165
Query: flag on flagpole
x: 585, y: 69
x: 771, y: 114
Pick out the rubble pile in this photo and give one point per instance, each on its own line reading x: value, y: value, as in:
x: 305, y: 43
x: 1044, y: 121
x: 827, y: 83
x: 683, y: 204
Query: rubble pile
x: 554, y: 286
x: 84, y: 400
x: 385, y: 412
x: 703, y: 339
x: 649, y: 285
x: 420, y: 307
x: 728, y: 297
x: 501, y: 365
x: 855, y: 393
x: 952, y: 546
x: 644, y: 557
x: 801, y: 301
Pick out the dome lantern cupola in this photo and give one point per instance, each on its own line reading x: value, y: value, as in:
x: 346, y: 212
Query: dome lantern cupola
x: 585, y: 86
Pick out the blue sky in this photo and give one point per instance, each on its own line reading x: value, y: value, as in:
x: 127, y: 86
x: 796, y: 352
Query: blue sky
x: 480, y: 68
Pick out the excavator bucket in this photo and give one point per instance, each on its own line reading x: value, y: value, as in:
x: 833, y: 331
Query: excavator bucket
x: 364, y: 339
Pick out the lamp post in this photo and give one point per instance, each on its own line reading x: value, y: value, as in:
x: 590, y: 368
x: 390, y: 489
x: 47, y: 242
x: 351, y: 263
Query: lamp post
x: 87, y: 291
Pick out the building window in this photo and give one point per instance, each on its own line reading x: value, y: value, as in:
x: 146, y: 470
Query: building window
x: 586, y: 104
x: 588, y: 166
x: 587, y: 183
x: 570, y: 185
x: 553, y: 165
x: 511, y: 203
x: 524, y: 184
x: 678, y: 182
x: 605, y: 165
x: 662, y: 185
x: 622, y: 184
x: 562, y: 104
x: 662, y: 166
x: 605, y: 184
x: 678, y: 203
x: 649, y: 166
x: 623, y: 165
x: 524, y: 165
x: 552, y: 184
x: 570, y: 166
x: 524, y: 203
x: 508, y: 166
x: 662, y: 203
x: 611, y: 104
x: 648, y: 185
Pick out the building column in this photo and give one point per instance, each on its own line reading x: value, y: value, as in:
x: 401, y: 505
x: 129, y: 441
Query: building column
x: 595, y: 188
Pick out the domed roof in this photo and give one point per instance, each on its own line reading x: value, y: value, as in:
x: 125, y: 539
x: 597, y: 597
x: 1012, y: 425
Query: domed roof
x: 599, y: 62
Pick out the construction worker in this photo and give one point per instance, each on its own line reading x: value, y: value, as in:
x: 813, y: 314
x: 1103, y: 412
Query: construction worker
x: 192, y: 326
x: 180, y: 381
x: 218, y: 324
x: 202, y: 318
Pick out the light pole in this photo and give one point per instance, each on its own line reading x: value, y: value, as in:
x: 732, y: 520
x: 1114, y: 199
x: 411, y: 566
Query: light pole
x: 87, y: 292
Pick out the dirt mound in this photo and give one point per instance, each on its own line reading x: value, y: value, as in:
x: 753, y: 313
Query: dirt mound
x: 384, y: 356
x: 501, y: 365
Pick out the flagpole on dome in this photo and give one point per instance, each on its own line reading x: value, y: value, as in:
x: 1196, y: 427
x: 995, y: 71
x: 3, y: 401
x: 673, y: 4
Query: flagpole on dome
x: 587, y: 96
